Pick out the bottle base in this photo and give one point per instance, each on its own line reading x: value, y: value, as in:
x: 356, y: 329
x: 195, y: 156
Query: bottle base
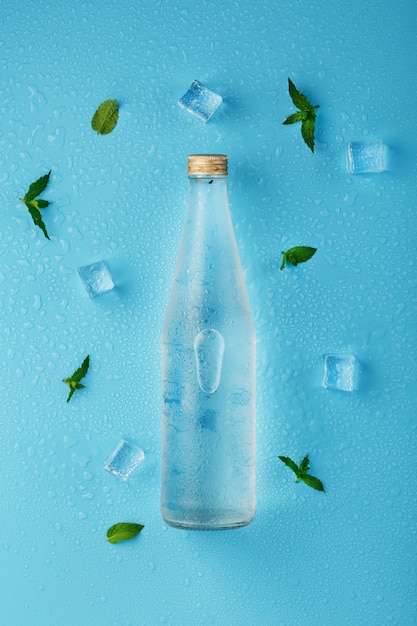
x: 206, y: 520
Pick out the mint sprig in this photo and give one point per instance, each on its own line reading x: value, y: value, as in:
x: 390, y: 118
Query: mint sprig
x: 123, y: 531
x: 301, y: 472
x: 105, y: 118
x: 35, y: 204
x: 296, y: 255
x: 74, y: 381
x: 306, y: 114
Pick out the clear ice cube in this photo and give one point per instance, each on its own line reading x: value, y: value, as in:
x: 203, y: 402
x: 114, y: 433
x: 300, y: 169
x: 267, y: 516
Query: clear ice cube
x: 367, y: 157
x: 96, y: 278
x: 124, y: 459
x: 340, y: 372
x: 200, y: 101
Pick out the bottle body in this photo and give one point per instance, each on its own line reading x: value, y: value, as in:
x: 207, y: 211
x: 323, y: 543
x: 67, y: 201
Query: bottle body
x: 208, y: 374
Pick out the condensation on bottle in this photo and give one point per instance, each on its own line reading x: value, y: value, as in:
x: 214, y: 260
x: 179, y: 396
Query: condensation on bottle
x: 208, y: 367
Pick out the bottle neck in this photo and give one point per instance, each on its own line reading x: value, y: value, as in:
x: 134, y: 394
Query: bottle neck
x: 206, y: 179
x: 208, y: 194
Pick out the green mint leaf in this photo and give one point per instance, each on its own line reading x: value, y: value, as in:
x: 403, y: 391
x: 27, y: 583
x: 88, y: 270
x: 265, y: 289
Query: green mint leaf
x: 307, y: 130
x: 312, y: 481
x: 82, y: 370
x: 299, y: 100
x: 36, y: 188
x: 289, y: 463
x: 300, y: 254
x: 37, y: 219
x: 37, y: 203
x: 295, y: 117
x: 33, y: 205
x: 301, y: 472
x: 123, y: 531
x: 74, y: 381
x: 306, y: 115
x: 72, y: 389
x: 105, y: 118
x: 304, y: 465
x: 296, y: 255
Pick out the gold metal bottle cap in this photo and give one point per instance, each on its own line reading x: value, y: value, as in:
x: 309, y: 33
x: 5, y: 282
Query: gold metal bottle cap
x: 207, y: 164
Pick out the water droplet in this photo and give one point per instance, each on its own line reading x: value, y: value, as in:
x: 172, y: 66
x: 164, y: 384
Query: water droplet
x: 69, y: 442
x: 58, y: 137
x: 37, y: 302
x: 64, y: 243
x: 82, y: 459
x: 74, y: 232
x: 36, y: 98
x: 209, y: 351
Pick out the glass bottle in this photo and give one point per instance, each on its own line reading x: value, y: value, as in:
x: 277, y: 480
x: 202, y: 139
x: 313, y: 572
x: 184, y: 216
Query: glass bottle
x: 208, y: 367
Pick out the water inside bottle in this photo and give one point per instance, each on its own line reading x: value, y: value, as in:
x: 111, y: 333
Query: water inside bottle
x: 208, y: 463
x: 209, y: 351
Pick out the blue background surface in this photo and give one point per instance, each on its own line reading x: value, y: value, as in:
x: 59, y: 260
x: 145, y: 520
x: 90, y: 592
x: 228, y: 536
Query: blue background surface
x: 348, y: 556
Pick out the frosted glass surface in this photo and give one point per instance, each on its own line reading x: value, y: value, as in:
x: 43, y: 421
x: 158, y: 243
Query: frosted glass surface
x: 347, y: 556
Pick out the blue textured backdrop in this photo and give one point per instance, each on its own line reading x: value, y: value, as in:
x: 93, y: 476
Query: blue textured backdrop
x: 348, y: 556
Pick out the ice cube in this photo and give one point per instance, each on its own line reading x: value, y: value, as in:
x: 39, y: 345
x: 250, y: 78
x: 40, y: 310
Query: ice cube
x: 366, y: 157
x: 200, y: 101
x: 96, y: 278
x: 124, y: 459
x: 340, y: 372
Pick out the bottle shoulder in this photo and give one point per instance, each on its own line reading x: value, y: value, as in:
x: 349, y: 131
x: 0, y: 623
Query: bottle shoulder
x: 182, y: 324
